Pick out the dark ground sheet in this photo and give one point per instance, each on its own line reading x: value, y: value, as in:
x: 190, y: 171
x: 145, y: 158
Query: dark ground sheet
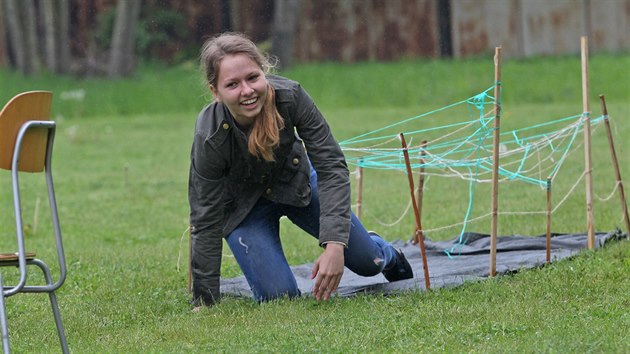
x: 469, y: 260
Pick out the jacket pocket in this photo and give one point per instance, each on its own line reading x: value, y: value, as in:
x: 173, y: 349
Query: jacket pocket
x: 295, y: 162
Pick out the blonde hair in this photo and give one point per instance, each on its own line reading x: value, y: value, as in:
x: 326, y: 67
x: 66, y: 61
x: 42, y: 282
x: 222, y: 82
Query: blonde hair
x: 265, y: 133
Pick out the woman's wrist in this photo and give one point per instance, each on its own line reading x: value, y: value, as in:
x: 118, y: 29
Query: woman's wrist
x: 334, y: 243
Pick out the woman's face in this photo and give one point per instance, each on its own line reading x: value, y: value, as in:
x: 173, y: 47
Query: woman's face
x: 242, y: 87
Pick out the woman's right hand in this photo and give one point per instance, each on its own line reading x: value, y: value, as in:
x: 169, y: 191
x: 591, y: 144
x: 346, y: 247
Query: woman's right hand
x: 328, y: 269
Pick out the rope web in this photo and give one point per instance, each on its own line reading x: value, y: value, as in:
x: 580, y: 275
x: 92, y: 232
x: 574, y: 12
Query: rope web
x: 459, y: 144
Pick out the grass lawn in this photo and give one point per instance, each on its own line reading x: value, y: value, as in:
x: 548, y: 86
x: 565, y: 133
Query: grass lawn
x: 120, y: 166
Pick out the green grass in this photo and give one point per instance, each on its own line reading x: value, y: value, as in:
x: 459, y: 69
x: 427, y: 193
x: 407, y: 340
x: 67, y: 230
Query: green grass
x: 427, y: 83
x: 120, y: 166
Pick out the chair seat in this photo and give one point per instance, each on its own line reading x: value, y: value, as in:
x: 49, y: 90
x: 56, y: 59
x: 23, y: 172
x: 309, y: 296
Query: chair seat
x: 12, y: 257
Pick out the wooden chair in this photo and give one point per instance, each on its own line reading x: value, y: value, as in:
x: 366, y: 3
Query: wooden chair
x: 26, y: 142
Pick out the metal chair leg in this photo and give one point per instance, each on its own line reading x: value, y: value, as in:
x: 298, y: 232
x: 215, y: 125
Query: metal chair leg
x: 60, y: 330
x: 3, y: 322
x: 53, y: 305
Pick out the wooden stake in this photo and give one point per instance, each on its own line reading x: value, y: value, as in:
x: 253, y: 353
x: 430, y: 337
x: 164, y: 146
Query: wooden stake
x: 420, y: 189
x: 418, y: 233
x: 359, y: 180
x: 611, y: 144
x: 549, y: 220
x: 495, y: 162
x: 590, y: 224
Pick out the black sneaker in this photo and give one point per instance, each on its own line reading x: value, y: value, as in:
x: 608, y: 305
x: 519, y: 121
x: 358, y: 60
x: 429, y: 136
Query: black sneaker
x: 401, y: 271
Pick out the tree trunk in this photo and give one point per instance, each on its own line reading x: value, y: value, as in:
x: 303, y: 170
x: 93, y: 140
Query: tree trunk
x: 122, y: 51
x: 235, y: 7
x: 16, y: 40
x: 285, y: 20
x: 444, y: 28
x: 130, y: 42
x: 32, y: 60
x: 225, y: 16
x: 63, y: 23
x: 116, y: 54
x: 3, y: 46
x: 48, y: 15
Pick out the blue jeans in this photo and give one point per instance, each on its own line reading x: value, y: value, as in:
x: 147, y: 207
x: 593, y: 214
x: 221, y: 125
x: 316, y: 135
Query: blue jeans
x: 256, y: 246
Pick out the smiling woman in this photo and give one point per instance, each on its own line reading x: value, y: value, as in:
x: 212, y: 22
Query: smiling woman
x: 248, y: 168
x: 242, y: 87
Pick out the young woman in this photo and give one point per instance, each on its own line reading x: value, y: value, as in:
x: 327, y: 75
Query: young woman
x: 262, y: 150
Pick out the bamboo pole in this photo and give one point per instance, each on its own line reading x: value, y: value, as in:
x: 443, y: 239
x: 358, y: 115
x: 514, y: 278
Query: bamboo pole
x: 548, y: 243
x: 611, y: 144
x: 418, y: 232
x: 359, y: 180
x: 420, y: 189
x: 587, y: 146
x: 495, y: 162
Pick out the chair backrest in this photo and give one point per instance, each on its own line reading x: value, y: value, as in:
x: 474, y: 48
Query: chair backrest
x: 33, y: 105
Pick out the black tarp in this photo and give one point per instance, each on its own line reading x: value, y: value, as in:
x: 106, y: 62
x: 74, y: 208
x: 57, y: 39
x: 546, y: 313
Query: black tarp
x: 469, y: 260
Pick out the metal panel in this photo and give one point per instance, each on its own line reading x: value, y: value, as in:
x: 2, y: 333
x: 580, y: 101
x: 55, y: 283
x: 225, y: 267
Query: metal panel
x: 479, y: 26
x: 538, y: 27
x: 352, y: 30
x: 552, y: 27
x: 609, y: 25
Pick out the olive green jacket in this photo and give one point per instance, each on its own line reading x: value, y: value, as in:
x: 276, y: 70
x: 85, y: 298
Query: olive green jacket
x: 226, y: 181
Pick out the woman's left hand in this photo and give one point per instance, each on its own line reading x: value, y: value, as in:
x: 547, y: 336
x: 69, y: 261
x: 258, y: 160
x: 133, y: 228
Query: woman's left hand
x: 328, y: 269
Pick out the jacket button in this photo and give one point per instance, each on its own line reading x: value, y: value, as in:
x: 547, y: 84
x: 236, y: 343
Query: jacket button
x: 226, y: 126
x: 296, y: 161
x: 268, y: 191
